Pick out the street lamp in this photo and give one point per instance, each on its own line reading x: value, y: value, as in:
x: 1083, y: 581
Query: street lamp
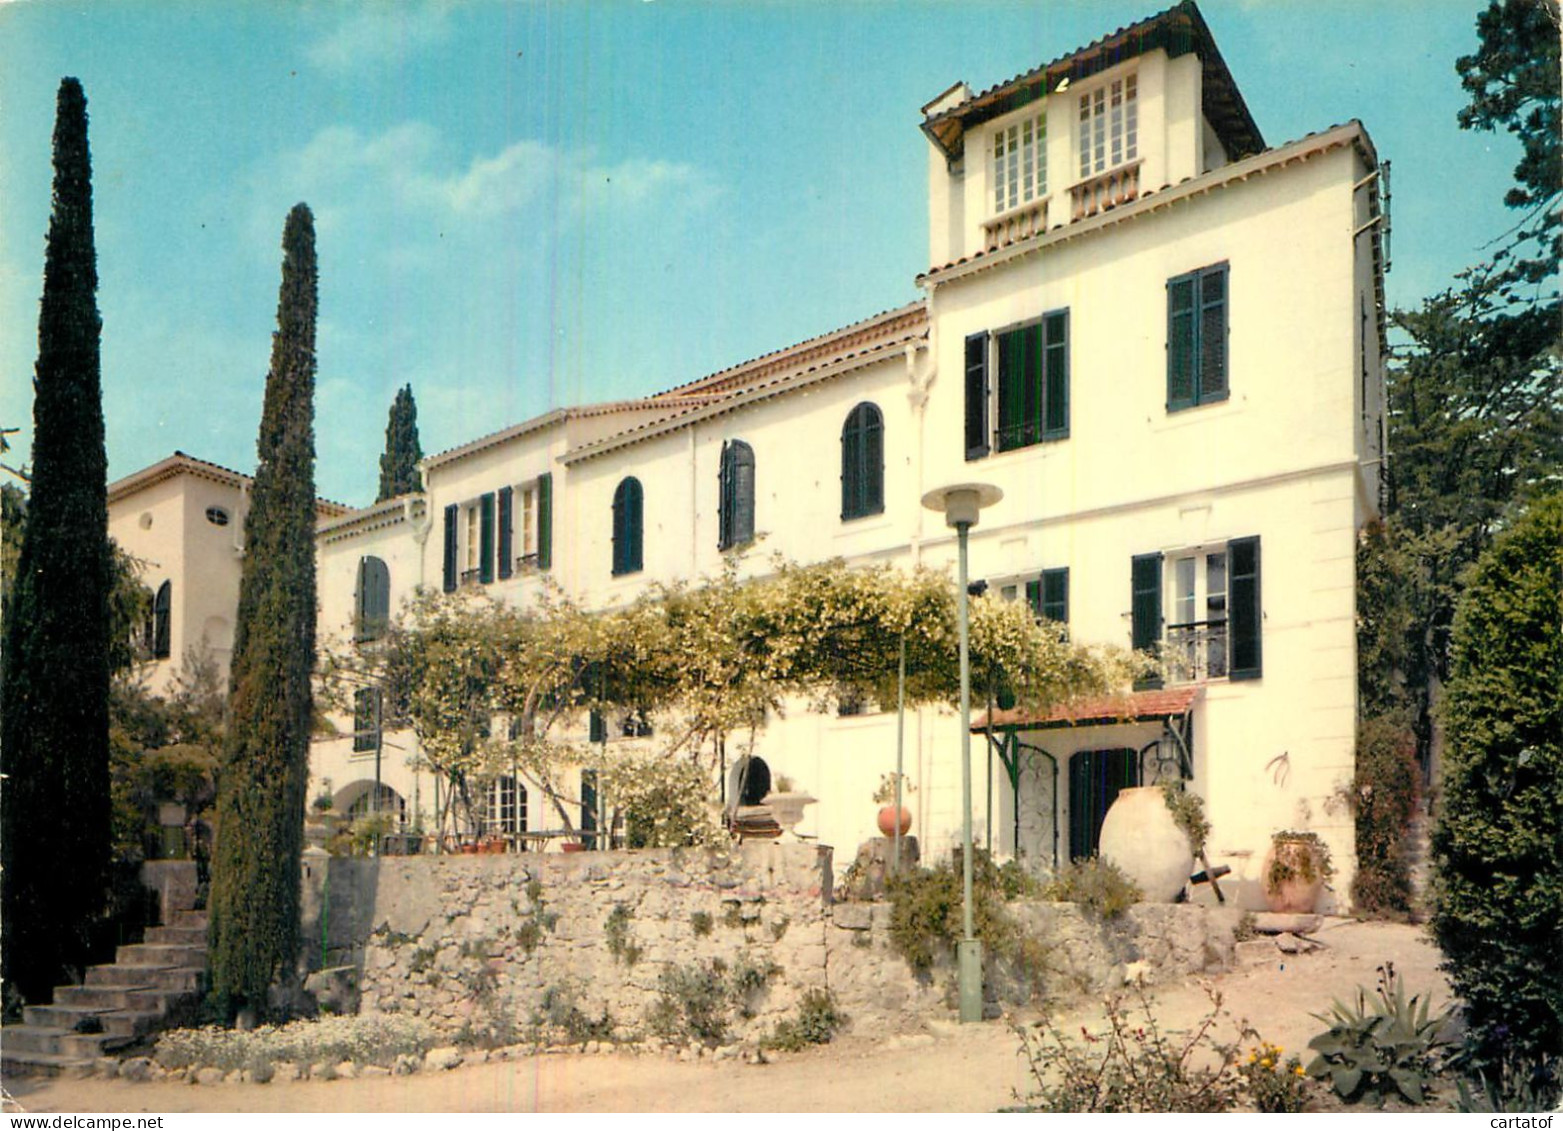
x: 960, y: 505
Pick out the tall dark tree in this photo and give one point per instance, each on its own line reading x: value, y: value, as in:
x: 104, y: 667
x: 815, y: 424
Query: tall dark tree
x: 399, y: 465
x: 265, y: 759
x: 1476, y: 388
x: 54, y: 740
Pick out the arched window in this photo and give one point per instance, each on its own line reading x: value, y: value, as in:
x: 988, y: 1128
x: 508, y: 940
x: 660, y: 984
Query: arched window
x: 862, y: 463
x: 627, y: 529
x: 162, y: 611
x: 374, y: 599
x: 735, y: 511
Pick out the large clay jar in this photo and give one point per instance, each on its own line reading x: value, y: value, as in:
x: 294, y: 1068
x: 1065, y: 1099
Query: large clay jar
x: 887, y: 820
x: 1293, y: 875
x: 1141, y: 838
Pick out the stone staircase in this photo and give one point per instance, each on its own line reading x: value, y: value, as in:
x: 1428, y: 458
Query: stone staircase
x: 152, y: 985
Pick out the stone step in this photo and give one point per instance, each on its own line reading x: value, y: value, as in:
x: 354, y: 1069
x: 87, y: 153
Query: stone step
x: 101, y: 997
x: 18, y: 1063
x: 190, y: 919
x: 31, y: 1038
x: 90, y: 1046
x: 177, y: 935
x: 155, y: 954
x: 176, y: 979
x: 115, y: 1022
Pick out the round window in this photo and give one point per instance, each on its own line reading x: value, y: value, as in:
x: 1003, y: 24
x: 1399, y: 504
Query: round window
x: 217, y: 516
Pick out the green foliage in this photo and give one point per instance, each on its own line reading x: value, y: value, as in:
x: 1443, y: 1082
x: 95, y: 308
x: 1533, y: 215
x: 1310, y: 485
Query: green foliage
x: 1274, y: 1086
x: 1383, y: 798
x: 54, y: 682
x: 663, y: 802
x: 1498, y: 840
x: 1372, y: 1050
x: 1097, y: 885
x: 1515, y: 1084
x: 1188, y: 813
x: 265, y: 760
x: 926, y: 916
x: 1132, y: 1065
x: 701, y: 922
x: 559, y: 1014
x: 616, y: 929
x: 817, y: 1022
x: 692, y: 1002
x: 399, y: 473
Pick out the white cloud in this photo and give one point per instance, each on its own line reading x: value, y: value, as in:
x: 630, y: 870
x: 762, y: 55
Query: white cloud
x: 379, y: 33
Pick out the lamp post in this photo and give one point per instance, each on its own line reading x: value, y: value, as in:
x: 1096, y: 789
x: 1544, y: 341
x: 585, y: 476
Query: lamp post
x: 960, y: 505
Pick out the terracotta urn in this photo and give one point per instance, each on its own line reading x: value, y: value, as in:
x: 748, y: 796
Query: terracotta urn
x: 1293, y: 874
x: 1141, y: 838
x: 887, y: 820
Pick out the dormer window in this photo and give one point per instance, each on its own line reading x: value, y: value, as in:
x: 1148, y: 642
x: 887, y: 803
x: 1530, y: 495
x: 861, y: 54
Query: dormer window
x: 1109, y: 126
x: 1019, y: 163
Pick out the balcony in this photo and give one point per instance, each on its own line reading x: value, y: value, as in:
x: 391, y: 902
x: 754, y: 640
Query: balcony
x: 1016, y: 225
x: 1196, y: 651
x: 1104, y: 191
x: 471, y: 577
x: 526, y: 563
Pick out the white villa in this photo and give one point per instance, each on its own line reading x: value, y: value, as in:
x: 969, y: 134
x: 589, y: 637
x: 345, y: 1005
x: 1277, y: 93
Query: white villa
x: 1159, y: 335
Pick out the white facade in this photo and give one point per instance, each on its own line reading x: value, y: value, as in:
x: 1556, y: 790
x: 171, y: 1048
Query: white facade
x: 1160, y: 337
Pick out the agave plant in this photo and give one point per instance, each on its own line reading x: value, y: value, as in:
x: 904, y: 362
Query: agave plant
x: 1376, y: 1047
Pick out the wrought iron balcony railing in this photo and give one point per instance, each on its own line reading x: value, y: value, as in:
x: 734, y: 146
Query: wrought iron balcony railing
x: 1196, y: 651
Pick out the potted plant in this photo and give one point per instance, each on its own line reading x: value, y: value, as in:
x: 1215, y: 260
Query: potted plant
x: 1295, y: 871
x: 885, y: 797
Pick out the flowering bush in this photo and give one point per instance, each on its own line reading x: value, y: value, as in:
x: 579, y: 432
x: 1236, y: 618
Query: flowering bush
x: 372, y: 1039
x: 1274, y: 1085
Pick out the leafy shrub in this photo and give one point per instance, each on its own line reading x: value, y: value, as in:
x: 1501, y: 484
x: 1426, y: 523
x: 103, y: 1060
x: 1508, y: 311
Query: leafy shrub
x: 1373, y: 1049
x: 816, y: 1024
x: 1132, y: 1066
x: 926, y: 914
x: 1383, y: 797
x: 1188, y: 813
x: 559, y: 1013
x: 1095, y: 884
x: 1498, y: 841
x: 376, y: 1039
x: 692, y: 1001
x: 617, y: 931
x: 701, y: 922
x: 1274, y: 1086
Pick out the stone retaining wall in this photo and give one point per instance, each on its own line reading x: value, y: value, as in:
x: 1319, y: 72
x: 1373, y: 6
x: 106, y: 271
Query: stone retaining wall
x: 524, y: 946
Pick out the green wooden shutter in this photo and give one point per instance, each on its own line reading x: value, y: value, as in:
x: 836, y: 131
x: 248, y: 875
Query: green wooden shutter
x: 637, y: 530
x: 1146, y: 610
x: 873, y: 461
x: 1055, y: 364
x: 507, y: 535
x: 976, y: 396
x: 1246, y: 616
x: 1212, y: 335
x: 545, y: 520
x: 451, y: 528
x: 851, y: 467
x: 486, y: 538
x: 1181, y: 330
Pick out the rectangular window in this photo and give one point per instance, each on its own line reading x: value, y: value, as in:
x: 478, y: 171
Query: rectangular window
x: 1020, y: 163
x: 1033, y: 393
x: 1214, y: 627
x: 1048, y: 595
x: 366, y: 720
x: 1197, y: 338
x: 1109, y: 126
x: 976, y: 396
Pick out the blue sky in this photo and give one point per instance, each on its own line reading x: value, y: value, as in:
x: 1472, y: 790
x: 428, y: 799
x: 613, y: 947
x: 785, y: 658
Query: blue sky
x: 522, y: 206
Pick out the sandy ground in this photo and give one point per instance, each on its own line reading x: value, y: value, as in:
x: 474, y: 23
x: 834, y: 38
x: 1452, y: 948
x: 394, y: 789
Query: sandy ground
x: 942, y: 1066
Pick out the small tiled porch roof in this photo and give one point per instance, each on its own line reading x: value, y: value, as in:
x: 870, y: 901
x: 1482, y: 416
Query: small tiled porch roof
x: 1135, y: 706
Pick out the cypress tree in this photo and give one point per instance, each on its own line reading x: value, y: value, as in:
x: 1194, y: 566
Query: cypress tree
x: 54, y: 729
x: 265, y: 758
x: 399, y: 465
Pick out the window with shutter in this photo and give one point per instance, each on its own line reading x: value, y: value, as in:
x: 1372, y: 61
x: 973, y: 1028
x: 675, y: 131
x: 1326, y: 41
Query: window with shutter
x: 862, y: 463
x: 486, y: 539
x: 374, y: 599
x: 735, y: 505
x: 976, y: 396
x: 366, y: 720
x: 1197, y: 338
x: 545, y: 520
x: 1145, y: 576
x: 507, y: 506
x: 627, y: 527
x: 162, y: 621
x: 452, y: 533
x: 1247, y: 614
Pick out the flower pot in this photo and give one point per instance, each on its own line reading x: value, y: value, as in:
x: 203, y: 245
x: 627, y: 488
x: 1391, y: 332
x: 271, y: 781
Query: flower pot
x: 572, y: 846
x: 1293, y: 875
x: 887, y: 820
x: 1141, y: 838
